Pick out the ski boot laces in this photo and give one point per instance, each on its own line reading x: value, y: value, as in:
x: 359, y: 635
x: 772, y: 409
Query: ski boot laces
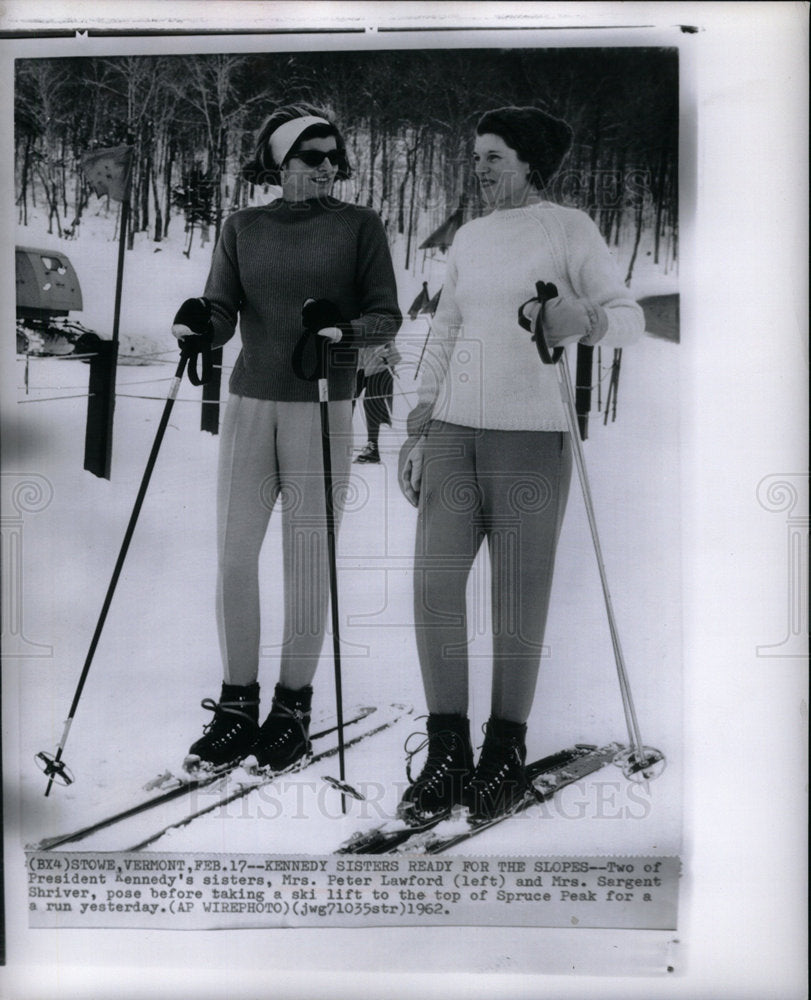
x: 498, y: 771
x: 440, y: 759
x: 225, y: 711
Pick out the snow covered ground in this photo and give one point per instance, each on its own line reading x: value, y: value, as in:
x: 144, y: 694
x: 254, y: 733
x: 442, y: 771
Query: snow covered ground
x: 158, y: 653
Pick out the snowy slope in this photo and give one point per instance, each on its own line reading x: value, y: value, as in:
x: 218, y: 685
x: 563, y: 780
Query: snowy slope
x: 158, y: 654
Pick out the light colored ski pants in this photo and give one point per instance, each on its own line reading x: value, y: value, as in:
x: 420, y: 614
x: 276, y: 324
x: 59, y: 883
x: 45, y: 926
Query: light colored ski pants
x: 271, y: 452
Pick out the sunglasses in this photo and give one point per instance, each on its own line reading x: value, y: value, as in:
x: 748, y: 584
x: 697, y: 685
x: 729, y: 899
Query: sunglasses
x: 314, y: 157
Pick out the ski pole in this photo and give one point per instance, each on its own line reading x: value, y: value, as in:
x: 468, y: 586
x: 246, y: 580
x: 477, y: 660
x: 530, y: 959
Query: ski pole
x: 52, y: 765
x: 644, y: 758
x: 617, y: 364
x: 422, y: 352
x: 323, y: 399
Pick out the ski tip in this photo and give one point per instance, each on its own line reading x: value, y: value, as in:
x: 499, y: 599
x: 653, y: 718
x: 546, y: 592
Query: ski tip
x: 159, y: 781
x: 197, y: 769
x: 250, y: 765
x: 191, y: 762
x: 408, y: 814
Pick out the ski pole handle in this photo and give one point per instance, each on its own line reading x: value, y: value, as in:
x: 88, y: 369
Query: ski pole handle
x: 545, y: 290
x: 194, y: 329
x: 192, y: 349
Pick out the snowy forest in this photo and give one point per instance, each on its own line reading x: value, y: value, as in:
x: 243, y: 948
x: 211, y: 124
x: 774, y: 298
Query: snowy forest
x: 408, y: 118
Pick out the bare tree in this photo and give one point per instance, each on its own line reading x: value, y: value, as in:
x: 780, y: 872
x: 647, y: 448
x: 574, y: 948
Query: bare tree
x: 408, y: 117
x: 41, y: 86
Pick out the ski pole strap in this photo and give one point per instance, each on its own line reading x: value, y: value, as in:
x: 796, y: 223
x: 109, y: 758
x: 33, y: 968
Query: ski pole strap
x: 307, y: 340
x: 582, y: 387
x: 192, y: 349
x: 544, y: 290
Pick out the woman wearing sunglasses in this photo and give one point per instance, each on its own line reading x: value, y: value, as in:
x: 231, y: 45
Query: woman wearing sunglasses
x: 488, y: 458
x: 268, y: 262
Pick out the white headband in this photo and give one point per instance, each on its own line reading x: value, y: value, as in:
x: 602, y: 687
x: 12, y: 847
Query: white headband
x: 285, y: 136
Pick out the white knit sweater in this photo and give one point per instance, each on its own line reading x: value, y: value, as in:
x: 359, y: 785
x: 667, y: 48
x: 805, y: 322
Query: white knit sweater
x: 481, y: 368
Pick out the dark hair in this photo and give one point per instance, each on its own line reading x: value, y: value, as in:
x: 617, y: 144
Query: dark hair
x: 263, y: 169
x: 539, y: 139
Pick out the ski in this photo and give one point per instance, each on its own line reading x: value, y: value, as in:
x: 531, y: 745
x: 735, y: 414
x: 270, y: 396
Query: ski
x: 548, y: 775
x: 167, y: 787
x: 546, y: 781
x: 240, y: 783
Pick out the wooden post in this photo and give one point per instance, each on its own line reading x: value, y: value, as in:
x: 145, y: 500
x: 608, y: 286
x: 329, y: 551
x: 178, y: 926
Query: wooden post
x: 98, y: 442
x: 210, y: 417
x: 113, y: 175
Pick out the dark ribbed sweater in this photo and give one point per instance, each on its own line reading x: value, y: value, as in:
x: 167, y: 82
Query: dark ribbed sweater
x: 269, y: 260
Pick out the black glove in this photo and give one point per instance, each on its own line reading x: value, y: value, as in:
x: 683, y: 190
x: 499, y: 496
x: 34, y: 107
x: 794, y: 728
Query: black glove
x: 194, y: 319
x: 194, y: 331
x: 317, y: 314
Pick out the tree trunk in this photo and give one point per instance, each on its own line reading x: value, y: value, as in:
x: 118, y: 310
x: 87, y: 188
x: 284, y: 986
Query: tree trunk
x: 52, y: 197
x: 236, y: 195
x: 146, y: 181
x: 187, y: 251
x: 79, y: 202
x: 222, y: 152
x: 429, y: 171
x: 660, y: 204
x: 408, y: 174
x: 411, y: 217
x: 63, y: 179
x: 636, y: 241
x: 594, y: 160
x: 385, y: 178
x: 620, y: 200
x: 158, y: 231
x: 167, y: 181
x: 135, y: 186
x: 24, y: 181
x: 370, y: 197
x: 401, y: 203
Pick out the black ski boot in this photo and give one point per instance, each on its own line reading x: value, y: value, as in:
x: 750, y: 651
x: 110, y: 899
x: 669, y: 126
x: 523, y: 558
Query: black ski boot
x: 232, y: 731
x: 284, y: 737
x: 370, y: 454
x: 444, y: 777
x: 499, y: 783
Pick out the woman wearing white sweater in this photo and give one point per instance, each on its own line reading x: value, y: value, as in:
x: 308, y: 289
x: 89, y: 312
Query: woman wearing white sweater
x: 488, y: 455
